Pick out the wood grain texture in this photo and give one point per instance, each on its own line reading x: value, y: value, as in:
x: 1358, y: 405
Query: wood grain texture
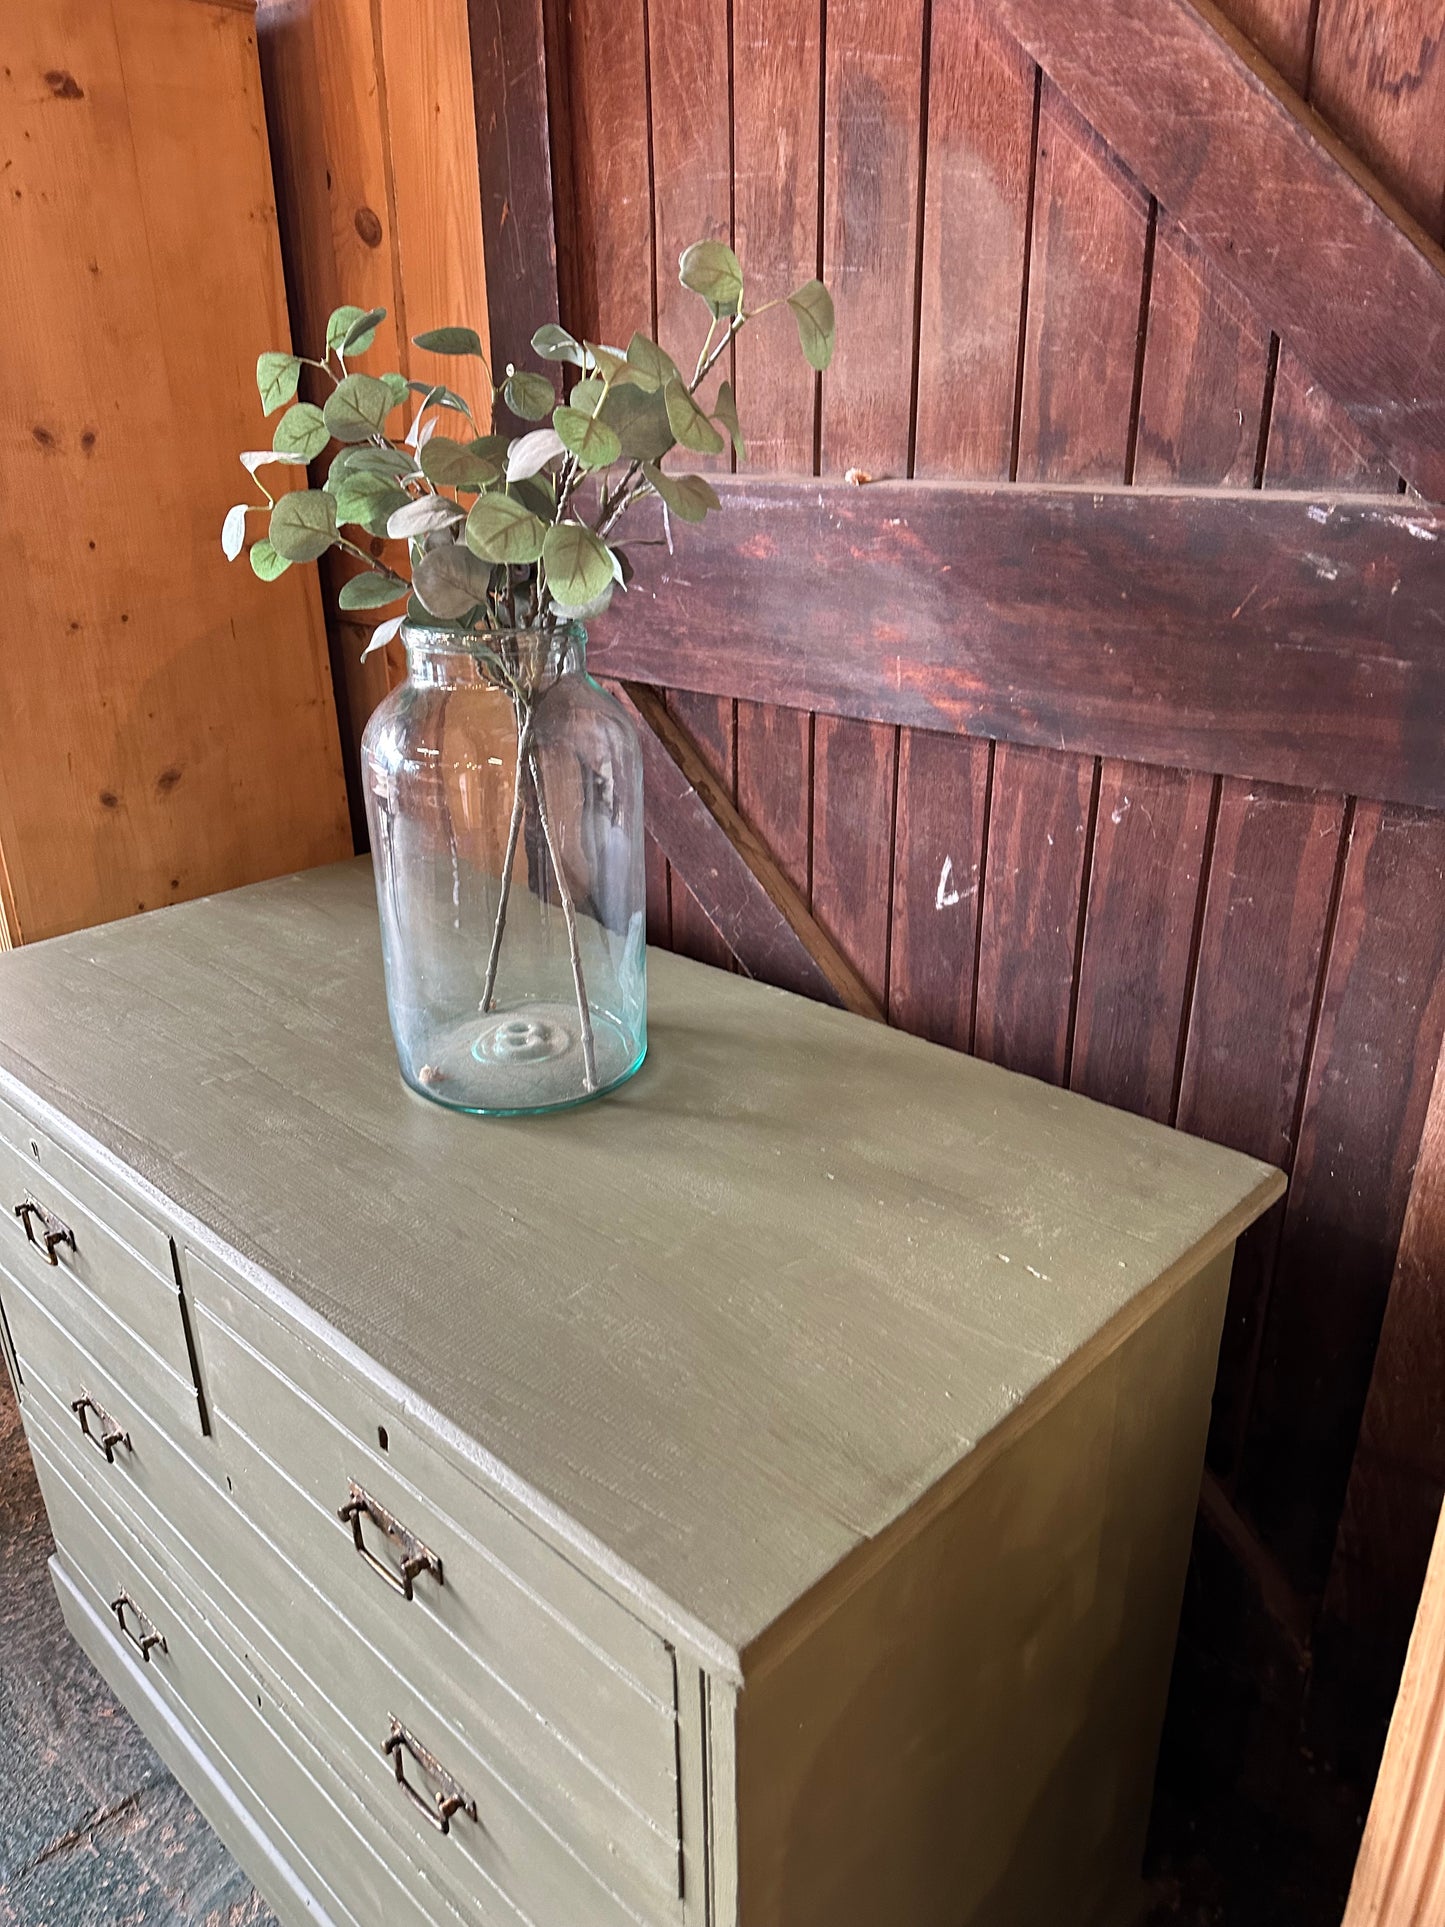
x: 514, y: 164
x: 1312, y: 441
x: 870, y: 230
x: 1379, y: 77
x: 1400, y: 1875
x: 708, y: 721
x: 1138, y: 73
x: 854, y: 773
x: 777, y: 94
x: 610, y: 210
x: 1038, y: 841
x: 942, y: 810
x: 1262, y: 937
x: 1161, y: 629
x: 975, y: 238
x: 1203, y: 387
x: 775, y: 783
x: 754, y: 912
x: 1085, y: 281
x: 1150, y: 841
x: 1282, y: 30
x: 1399, y: 1468
x: 168, y: 727
x: 722, y: 1420
x: 1376, y: 1045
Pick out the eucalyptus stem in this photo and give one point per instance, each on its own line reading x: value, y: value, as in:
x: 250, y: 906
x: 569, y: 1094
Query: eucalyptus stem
x: 514, y: 830
x: 569, y: 916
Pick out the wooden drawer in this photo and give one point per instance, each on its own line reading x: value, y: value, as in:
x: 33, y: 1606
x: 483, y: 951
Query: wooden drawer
x: 326, y: 1831
x: 506, y: 1856
x: 117, y: 1280
x: 513, y: 1628
x: 350, y: 1688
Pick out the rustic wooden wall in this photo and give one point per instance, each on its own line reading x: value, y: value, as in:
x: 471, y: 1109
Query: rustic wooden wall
x: 1260, y: 963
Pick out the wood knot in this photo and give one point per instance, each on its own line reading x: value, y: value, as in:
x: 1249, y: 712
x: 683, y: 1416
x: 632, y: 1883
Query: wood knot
x: 43, y: 435
x: 368, y: 225
x: 167, y: 780
x: 64, y: 85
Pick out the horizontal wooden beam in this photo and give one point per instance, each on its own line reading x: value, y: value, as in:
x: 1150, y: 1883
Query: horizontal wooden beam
x: 759, y: 914
x: 1319, y: 247
x: 1288, y: 637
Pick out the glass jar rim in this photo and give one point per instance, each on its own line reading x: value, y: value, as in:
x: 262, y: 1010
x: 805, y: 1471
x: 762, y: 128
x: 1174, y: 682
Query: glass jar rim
x: 437, y: 638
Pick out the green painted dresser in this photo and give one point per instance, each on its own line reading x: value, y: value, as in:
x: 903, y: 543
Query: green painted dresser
x: 759, y: 1500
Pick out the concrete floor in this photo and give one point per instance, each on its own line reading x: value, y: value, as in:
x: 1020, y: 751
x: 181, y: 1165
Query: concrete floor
x: 94, y: 1832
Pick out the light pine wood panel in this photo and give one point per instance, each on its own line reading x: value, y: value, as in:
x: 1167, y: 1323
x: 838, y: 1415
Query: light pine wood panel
x: 166, y: 721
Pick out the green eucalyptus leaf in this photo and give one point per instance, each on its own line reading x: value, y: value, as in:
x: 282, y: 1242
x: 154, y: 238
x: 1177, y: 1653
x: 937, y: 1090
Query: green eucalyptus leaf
x: 423, y: 517
x: 640, y: 421
x: 590, y: 440
x: 688, y: 423
x: 276, y: 379
x: 652, y: 366
x: 491, y: 448
x: 578, y: 564
x: 233, y: 532
x: 689, y: 497
x: 362, y: 332
x: 812, y: 307
x: 369, y: 500
x: 530, y: 453
x: 303, y: 525
x: 301, y: 431
x: 340, y: 324
x: 449, y: 580
x: 584, y: 611
x: 373, y: 590
x: 357, y: 408
x: 711, y: 269
x: 534, y: 493
x: 449, y: 464
x: 450, y: 341
x: 399, y: 386
x: 531, y: 397
x: 364, y: 460
x: 609, y: 363
x: 265, y: 562
x: 502, y: 529
x: 553, y: 343
x: 727, y: 414
x: 587, y: 393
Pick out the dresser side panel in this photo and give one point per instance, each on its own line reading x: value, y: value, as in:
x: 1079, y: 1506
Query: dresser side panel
x: 971, y: 1736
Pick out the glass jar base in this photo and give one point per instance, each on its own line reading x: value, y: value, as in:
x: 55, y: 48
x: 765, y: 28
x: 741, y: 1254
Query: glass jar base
x: 512, y: 1062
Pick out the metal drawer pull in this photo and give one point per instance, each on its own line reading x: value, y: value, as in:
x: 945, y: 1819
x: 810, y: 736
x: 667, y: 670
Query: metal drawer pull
x: 110, y: 1434
x: 55, y: 1232
x: 415, y: 1557
x: 147, y: 1636
x: 437, y: 1808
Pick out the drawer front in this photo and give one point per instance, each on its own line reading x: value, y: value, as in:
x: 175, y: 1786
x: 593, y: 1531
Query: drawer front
x: 509, y: 1611
x: 284, y: 1622
x: 112, y: 1274
x: 326, y: 1831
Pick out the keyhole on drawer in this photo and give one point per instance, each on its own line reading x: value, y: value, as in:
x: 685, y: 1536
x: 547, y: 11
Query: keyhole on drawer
x: 381, y: 1438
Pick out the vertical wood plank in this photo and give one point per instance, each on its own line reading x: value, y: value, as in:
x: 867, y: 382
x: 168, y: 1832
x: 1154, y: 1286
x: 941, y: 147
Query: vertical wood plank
x: 1379, y: 77
x: 1028, y: 938
x: 1205, y: 366
x: 1378, y: 1039
x: 709, y: 723
x: 777, y: 82
x: 514, y: 157
x: 611, y: 214
x: 853, y: 776
x: 1085, y: 278
x: 774, y: 779
x: 1313, y: 440
x: 938, y: 867
x: 1281, y: 31
x: 1134, y: 971
x: 1261, y: 942
x: 975, y: 232
x: 870, y: 223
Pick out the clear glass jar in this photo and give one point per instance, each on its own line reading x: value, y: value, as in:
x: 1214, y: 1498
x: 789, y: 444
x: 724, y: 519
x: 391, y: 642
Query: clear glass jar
x: 504, y: 795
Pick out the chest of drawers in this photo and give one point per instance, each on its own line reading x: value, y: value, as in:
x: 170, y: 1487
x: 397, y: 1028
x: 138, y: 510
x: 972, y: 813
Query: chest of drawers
x: 761, y: 1500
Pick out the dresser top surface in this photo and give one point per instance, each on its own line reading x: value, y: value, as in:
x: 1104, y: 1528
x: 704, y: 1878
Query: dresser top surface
x: 731, y: 1322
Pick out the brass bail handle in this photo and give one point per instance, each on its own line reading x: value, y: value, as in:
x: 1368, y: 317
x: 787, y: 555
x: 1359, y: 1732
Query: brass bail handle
x: 147, y: 1638
x: 415, y: 1557
x: 438, y: 1808
x: 109, y: 1436
x: 54, y: 1232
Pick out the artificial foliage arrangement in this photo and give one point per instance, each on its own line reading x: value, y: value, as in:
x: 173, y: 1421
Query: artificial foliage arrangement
x: 513, y: 541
